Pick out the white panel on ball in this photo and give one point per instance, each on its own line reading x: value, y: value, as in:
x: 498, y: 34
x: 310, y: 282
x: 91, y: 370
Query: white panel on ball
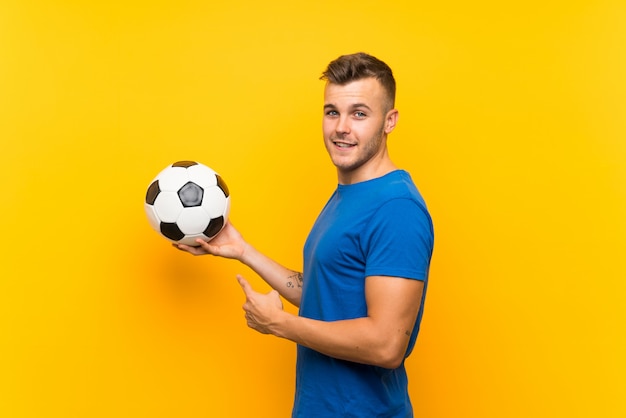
x: 173, y: 178
x: 168, y: 206
x: 202, y: 175
x: 214, y: 202
x: 193, y: 220
x: 154, y: 220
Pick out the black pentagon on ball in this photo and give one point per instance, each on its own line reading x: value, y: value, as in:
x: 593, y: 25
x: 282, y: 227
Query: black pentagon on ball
x: 190, y: 195
x: 184, y: 164
x: 222, y: 185
x: 214, y: 227
x: 172, y: 231
x: 153, y: 192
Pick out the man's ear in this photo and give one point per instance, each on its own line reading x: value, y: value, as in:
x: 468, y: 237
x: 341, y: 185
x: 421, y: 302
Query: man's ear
x: 391, y: 119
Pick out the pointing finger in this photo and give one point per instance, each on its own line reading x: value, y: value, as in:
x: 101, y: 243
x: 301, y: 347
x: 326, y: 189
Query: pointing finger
x: 247, y: 289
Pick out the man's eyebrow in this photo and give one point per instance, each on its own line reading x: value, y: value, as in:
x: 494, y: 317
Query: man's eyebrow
x: 360, y: 105
x: 352, y: 106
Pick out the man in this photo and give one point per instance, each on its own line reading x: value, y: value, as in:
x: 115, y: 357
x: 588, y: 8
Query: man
x: 366, y: 261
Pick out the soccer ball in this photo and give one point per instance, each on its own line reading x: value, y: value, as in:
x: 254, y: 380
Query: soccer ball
x: 187, y: 201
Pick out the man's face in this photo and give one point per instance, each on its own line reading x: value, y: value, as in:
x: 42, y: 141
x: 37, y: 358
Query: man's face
x: 355, y: 125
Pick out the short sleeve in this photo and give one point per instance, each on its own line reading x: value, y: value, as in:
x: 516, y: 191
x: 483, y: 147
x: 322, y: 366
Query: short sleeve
x: 398, y: 240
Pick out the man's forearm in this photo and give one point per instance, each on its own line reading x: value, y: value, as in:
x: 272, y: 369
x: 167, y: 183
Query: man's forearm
x: 285, y: 281
x: 359, y: 340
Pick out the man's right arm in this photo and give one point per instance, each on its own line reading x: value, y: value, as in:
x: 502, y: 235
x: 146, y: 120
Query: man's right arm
x: 229, y: 243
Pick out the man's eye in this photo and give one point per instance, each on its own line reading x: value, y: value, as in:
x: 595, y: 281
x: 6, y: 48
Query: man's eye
x: 332, y: 113
x: 360, y: 114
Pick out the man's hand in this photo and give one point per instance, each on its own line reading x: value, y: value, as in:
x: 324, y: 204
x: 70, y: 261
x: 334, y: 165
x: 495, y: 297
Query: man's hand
x: 262, y: 310
x: 228, y: 243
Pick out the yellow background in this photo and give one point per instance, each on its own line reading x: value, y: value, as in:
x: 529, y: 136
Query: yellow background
x: 513, y: 124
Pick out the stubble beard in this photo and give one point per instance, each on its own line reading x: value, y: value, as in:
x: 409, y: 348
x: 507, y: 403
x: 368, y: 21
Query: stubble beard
x: 363, y: 155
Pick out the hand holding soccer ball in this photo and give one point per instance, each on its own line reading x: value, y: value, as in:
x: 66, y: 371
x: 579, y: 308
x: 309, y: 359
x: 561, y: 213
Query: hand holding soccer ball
x: 228, y: 244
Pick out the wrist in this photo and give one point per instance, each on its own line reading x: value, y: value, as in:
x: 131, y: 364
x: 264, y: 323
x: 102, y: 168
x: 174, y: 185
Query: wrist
x: 280, y: 324
x: 247, y: 254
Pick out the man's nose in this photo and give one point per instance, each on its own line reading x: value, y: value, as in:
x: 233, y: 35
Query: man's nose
x: 343, y: 125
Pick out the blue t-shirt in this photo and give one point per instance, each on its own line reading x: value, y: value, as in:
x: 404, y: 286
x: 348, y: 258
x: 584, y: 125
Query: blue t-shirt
x: 379, y: 227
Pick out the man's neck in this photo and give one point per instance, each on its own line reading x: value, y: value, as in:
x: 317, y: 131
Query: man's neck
x: 365, y: 173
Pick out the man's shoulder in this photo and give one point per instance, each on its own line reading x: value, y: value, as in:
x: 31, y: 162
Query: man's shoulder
x: 398, y: 185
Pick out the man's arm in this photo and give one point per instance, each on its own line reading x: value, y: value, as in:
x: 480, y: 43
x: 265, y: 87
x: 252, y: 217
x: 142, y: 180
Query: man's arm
x: 229, y: 243
x: 381, y: 338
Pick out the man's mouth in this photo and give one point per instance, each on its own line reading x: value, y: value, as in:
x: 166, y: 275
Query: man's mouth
x: 340, y: 144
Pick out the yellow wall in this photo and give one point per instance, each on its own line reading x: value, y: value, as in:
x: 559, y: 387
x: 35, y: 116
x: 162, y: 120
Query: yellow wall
x: 513, y: 123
